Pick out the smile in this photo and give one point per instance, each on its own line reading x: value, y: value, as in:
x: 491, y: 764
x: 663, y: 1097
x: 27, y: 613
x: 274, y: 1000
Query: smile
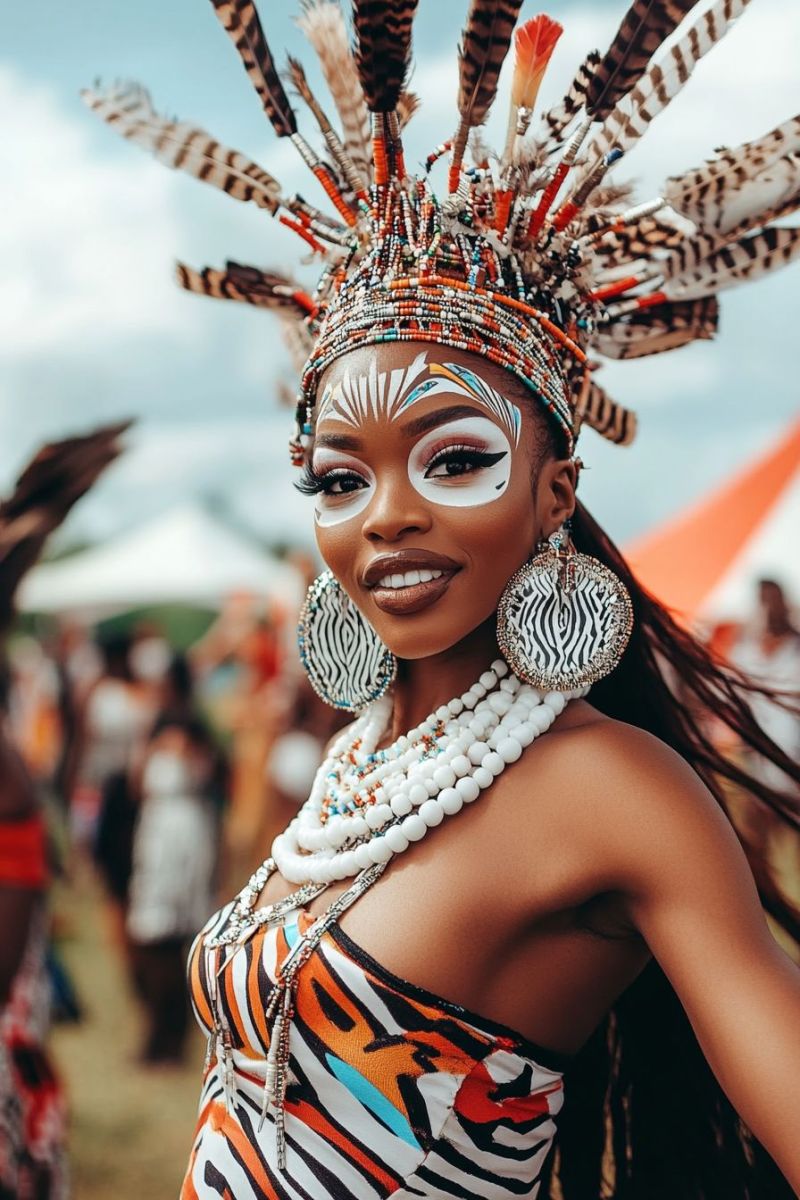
x: 408, y: 581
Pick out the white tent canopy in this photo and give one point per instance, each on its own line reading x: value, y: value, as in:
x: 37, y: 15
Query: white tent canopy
x: 184, y: 556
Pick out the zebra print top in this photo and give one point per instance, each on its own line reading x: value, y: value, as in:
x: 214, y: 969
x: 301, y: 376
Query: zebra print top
x: 394, y: 1091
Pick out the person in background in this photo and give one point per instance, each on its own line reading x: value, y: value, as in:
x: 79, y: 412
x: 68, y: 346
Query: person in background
x: 769, y: 653
x: 181, y: 785
x: 32, y: 1110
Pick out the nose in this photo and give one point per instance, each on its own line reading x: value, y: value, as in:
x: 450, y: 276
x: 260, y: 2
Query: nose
x: 396, y: 510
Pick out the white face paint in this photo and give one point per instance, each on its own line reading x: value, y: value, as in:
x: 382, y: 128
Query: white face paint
x: 355, y: 399
x: 349, y: 487
x: 461, y: 464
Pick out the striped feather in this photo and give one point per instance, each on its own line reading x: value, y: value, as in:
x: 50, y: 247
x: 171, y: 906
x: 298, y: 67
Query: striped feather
x: 484, y: 45
x: 662, y: 81
x: 383, y: 49
x: 184, y: 147
x: 662, y: 327
x: 323, y: 25
x: 346, y: 166
x: 247, y: 285
x: 638, y: 240
x: 608, y: 418
x: 240, y: 21
x: 407, y: 104
x: 739, y: 262
x: 557, y: 118
x: 644, y: 28
x: 707, y: 194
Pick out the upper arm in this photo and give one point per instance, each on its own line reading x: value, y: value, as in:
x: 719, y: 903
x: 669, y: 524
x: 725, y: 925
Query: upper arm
x: 673, y: 855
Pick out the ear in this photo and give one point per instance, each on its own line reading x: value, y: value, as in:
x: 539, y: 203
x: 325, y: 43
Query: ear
x: 555, y: 494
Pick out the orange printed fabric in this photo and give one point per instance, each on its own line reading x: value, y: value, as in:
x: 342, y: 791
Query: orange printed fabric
x: 23, y: 861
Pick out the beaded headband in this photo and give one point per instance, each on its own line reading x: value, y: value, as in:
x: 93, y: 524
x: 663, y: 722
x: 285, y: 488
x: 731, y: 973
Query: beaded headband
x: 533, y: 259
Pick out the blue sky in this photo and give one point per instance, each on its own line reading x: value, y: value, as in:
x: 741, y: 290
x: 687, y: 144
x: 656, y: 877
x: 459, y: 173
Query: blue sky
x: 94, y: 327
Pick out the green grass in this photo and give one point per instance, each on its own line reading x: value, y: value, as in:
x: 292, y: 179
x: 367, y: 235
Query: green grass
x: 130, y: 1127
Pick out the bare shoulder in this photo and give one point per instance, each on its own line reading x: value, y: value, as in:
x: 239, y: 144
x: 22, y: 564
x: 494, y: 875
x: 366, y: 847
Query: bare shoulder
x: 631, y: 802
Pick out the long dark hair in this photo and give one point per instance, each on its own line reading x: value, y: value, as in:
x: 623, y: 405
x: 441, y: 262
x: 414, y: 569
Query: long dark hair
x: 644, y: 1117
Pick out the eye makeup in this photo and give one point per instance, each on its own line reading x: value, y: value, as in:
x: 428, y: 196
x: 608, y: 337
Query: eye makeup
x: 464, y: 463
x: 343, y: 487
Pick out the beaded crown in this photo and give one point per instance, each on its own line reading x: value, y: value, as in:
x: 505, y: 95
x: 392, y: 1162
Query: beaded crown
x: 529, y: 257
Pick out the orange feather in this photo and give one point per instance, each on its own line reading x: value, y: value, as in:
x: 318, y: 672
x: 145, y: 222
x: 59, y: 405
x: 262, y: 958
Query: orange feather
x: 534, y: 43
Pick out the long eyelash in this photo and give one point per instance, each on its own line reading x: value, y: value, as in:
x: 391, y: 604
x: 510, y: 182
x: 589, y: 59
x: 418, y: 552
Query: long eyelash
x: 310, y: 483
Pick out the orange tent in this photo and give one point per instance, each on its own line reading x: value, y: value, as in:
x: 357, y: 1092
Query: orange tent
x: 704, y: 561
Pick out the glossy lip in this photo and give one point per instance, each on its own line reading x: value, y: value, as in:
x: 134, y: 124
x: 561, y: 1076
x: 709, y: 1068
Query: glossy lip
x: 407, y: 600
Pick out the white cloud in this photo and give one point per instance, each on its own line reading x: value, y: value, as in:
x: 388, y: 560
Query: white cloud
x: 85, y: 243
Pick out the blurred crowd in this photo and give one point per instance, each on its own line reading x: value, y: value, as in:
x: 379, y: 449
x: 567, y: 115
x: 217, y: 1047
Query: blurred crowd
x: 167, y: 774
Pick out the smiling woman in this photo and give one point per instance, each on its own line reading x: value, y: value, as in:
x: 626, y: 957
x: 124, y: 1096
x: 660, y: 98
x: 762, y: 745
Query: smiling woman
x: 585, y: 942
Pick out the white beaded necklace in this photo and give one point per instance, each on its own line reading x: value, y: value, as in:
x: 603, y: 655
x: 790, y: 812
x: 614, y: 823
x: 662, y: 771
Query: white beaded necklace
x: 366, y: 805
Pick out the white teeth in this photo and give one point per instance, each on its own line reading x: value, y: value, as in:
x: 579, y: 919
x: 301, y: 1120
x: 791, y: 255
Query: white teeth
x: 408, y: 579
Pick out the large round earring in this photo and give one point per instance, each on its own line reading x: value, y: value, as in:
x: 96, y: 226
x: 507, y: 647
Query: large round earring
x: 564, y: 619
x: 347, y: 664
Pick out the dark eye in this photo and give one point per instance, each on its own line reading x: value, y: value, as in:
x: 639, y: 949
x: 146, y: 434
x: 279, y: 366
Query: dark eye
x: 453, y: 461
x: 339, y: 482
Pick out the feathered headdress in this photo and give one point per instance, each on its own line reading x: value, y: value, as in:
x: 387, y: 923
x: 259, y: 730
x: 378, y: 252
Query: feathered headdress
x: 536, y: 262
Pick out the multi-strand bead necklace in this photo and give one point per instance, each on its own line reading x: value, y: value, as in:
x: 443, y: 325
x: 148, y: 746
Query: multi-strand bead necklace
x: 366, y: 806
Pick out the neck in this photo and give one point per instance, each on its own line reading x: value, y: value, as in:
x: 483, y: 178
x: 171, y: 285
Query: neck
x: 424, y: 683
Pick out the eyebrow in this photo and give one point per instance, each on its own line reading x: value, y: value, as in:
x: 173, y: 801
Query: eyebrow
x: 441, y: 416
x: 338, y: 441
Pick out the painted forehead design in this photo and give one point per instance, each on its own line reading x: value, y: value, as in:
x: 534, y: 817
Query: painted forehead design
x: 389, y: 394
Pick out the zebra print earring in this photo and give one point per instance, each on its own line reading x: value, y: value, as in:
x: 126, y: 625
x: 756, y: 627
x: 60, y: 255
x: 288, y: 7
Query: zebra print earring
x: 346, y: 663
x: 564, y: 619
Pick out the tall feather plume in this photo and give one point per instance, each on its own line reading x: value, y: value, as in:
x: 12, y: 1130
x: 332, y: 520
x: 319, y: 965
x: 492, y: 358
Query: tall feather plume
x: 594, y: 406
x: 323, y: 25
x: 739, y: 262
x: 248, y: 285
x: 662, y: 81
x: 484, y: 46
x: 347, y: 167
x: 184, y: 147
x: 708, y: 193
x: 534, y: 43
x: 557, y: 118
x: 643, y: 29
x: 241, y: 22
x: 383, y: 49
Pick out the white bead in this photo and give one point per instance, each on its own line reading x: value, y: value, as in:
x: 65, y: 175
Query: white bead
x: 469, y: 700
x: 510, y: 750
x: 461, y: 765
x: 377, y: 816
x: 477, y: 753
x: 525, y: 733
x: 467, y: 789
x: 482, y: 777
x: 443, y: 713
x: 432, y: 813
x: 444, y: 776
x: 400, y: 804
x: 541, y: 718
x: 451, y: 801
x: 509, y: 686
x: 349, y: 864
x: 337, y: 867
x: 499, y: 703
x: 500, y: 667
x: 494, y: 739
x: 414, y: 827
x: 418, y: 794
x: 555, y: 701
x: 363, y: 856
x: 379, y: 850
x: 488, y: 679
x: 478, y: 690
x: 336, y: 832
x: 493, y: 762
x: 396, y: 839
x: 455, y: 707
